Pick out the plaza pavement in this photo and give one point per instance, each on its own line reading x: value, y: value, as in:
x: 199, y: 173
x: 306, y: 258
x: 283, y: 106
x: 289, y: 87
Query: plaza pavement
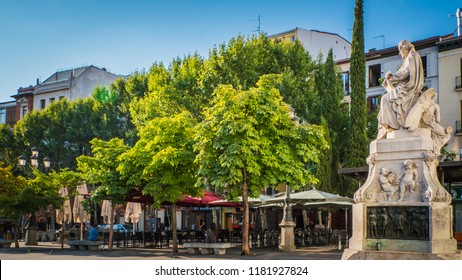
x: 53, y: 251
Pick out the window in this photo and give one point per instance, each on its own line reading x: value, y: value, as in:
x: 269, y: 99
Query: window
x: 52, y: 99
x: 346, y: 82
x: 23, y: 111
x: 2, y: 116
x: 10, y: 116
x: 61, y: 97
x: 424, y: 65
x: 374, y: 75
x: 373, y: 103
x: 42, y: 104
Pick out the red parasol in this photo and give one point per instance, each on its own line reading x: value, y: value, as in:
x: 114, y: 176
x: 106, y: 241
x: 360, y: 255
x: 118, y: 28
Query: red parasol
x: 206, y: 199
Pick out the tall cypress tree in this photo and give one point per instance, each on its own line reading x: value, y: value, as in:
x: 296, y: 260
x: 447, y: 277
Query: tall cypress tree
x: 331, y: 95
x: 357, y: 144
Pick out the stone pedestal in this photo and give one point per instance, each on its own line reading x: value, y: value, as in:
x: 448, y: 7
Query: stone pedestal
x: 402, y: 209
x: 31, y: 235
x: 287, y: 236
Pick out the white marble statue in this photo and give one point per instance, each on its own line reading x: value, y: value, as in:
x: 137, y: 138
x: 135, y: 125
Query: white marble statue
x: 403, y: 88
x: 406, y: 105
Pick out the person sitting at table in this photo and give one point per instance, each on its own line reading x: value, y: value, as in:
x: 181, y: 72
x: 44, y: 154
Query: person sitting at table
x: 212, y: 233
x: 93, y: 233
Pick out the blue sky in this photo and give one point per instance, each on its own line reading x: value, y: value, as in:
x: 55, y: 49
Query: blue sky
x: 39, y: 37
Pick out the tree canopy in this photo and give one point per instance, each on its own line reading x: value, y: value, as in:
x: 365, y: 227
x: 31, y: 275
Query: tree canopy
x: 249, y: 141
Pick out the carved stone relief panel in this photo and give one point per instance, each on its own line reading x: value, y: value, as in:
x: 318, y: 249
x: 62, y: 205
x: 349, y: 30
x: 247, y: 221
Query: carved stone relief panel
x: 396, y: 222
x: 403, y: 185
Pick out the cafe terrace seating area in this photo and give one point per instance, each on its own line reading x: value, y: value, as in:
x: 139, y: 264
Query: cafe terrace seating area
x: 257, y: 238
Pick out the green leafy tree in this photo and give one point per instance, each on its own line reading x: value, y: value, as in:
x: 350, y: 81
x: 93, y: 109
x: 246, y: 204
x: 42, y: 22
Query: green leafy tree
x: 187, y: 90
x: 249, y: 141
x: 101, y: 169
x: 7, y: 146
x: 19, y: 196
x: 324, y: 170
x: 328, y: 84
x: 10, y: 188
x: 357, y: 145
x: 242, y: 61
x: 159, y: 101
x: 161, y: 163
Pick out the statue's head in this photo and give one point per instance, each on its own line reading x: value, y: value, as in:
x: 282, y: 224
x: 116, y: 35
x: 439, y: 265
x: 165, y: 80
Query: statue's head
x: 405, y: 44
x: 408, y: 163
x: 404, y: 48
x: 385, y: 171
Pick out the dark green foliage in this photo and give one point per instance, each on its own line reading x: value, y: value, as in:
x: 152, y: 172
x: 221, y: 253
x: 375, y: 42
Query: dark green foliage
x: 8, y: 150
x: 357, y: 144
x: 334, y: 112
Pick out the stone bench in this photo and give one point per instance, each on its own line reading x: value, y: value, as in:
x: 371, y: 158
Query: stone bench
x: 85, y: 244
x: 6, y: 243
x: 207, y: 248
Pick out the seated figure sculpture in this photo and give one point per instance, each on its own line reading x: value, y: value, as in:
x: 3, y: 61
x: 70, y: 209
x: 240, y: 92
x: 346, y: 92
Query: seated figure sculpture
x: 406, y: 105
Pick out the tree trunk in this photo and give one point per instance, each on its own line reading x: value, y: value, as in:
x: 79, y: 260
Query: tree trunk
x: 111, y: 230
x: 245, y: 221
x: 174, y: 227
x: 16, y: 234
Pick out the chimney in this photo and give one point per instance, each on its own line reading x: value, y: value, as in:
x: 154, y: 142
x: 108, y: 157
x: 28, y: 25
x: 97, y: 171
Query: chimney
x: 459, y: 21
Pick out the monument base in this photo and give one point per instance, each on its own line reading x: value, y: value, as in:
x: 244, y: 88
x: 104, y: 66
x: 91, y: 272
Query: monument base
x: 287, y: 237
x: 402, y: 211
x: 350, y: 254
x: 31, y: 235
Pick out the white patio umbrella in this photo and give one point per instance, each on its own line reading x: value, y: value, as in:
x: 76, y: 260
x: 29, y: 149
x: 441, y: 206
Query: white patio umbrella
x: 133, y: 213
x: 107, y: 212
x: 309, y: 196
x: 64, y: 215
x: 80, y: 215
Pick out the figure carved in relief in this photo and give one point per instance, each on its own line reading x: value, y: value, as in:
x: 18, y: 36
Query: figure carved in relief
x: 372, y: 223
x: 407, y: 178
x: 387, y: 181
x: 430, y: 117
x: 424, y: 222
x: 416, y: 225
x: 399, y: 222
x: 384, y: 223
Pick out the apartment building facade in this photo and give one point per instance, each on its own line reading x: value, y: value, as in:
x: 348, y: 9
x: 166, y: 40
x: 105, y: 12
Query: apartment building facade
x: 71, y: 84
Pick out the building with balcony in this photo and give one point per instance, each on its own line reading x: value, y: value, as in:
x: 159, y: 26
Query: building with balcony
x: 450, y: 89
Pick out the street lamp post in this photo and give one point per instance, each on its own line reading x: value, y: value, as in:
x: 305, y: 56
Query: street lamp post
x: 31, y: 228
